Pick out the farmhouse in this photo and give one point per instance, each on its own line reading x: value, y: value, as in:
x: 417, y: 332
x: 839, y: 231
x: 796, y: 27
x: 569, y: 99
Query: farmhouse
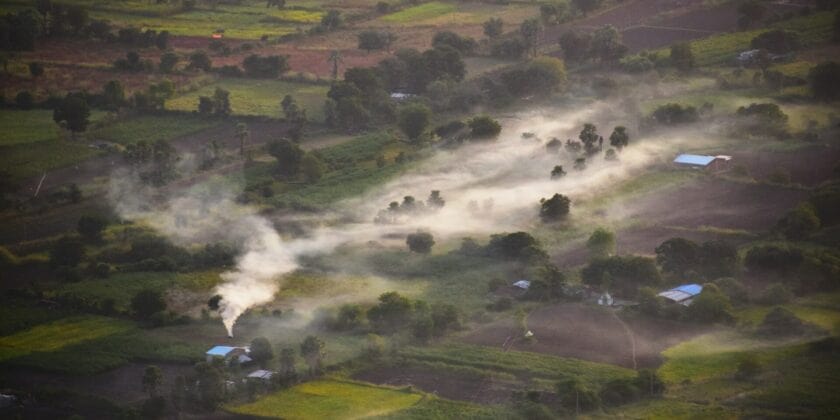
x: 682, y: 295
x: 711, y: 163
x: 229, y: 353
x: 522, y: 284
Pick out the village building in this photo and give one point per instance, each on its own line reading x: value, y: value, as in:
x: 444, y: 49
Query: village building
x: 682, y: 295
x: 230, y: 353
x: 522, y: 284
x: 261, y: 375
x: 709, y: 163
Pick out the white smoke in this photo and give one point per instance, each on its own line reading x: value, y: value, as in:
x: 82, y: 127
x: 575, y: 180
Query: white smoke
x: 512, y: 173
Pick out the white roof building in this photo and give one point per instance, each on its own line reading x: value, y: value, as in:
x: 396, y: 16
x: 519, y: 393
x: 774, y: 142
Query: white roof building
x: 522, y: 284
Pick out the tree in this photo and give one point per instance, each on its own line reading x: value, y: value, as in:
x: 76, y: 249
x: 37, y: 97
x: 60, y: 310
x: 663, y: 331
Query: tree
x: 391, y: 313
x: 622, y: 274
x: 66, y: 252
x: 221, y: 102
x: 269, y: 67
x: 261, y: 350
x: 674, y: 114
x: 147, y: 303
x: 287, y: 362
x: 530, y: 31
x: 517, y: 245
x: 332, y: 20
x: 484, y: 127
x: 777, y: 41
x: 750, y: 12
x: 168, y: 61
x: 19, y: 31
x: 824, y: 79
x: 199, y: 60
x: 576, y: 45
x: 375, y: 40
x: 312, y: 350
x: 590, y: 138
x: 493, y: 27
x: 313, y: 167
x: 162, y: 40
x: 711, y: 305
x: 464, y: 45
x: 554, y: 208
x: 799, y: 223
x: 91, y: 227
x: 210, y: 382
x: 414, y: 120
x: 606, y: 44
x: 682, y: 57
x: 552, y: 14
x: 72, y: 113
x: 435, y: 201
x: 288, y: 155
x: 718, y: 259
x: 113, y: 94
x: 336, y: 60
x: 677, y: 255
x: 511, y: 48
x: 601, y: 243
x: 420, y: 242
x: 152, y: 379
x: 557, y: 172
x: 619, y: 137
x: 241, y: 135
x: 586, y: 6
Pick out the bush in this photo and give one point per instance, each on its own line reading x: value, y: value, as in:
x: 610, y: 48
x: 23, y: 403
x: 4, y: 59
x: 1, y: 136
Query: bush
x: 773, y: 258
x: 484, y: 127
x: 777, y: 41
x: 780, y: 322
x: 674, y: 114
x: 67, y: 252
x: 733, y: 289
x: 711, y: 305
x: 420, y: 242
x: 776, y: 294
x: 799, y: 223
x: 265, y: 67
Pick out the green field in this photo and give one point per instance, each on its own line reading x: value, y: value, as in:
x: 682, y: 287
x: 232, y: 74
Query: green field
x: 58, y: 334
x: 121, y: 287
x: 247, y: 20
x: 330, y: 399
x: 424, y: 11
x: 259, y: 97
x: 150, y: 128
x: 21, y: 127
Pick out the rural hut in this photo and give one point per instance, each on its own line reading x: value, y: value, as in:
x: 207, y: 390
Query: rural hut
x: 229, y: 353
x: 261, y: 375
x: 522, y: 284
x: 709, y: 163
x: 682, y: 295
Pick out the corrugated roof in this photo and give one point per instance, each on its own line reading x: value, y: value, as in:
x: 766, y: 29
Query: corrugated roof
x: 522, y: 284
x: 682, y: 293
x: 699, y: 160
x: 692, y: 289
x: 220, y: 350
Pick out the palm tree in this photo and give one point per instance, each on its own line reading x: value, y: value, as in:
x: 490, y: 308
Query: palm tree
x: 335, y: 59
x: 242, y: 134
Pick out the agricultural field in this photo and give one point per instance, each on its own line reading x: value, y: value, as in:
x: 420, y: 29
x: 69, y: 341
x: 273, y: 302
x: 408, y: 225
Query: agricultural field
x: 258, y: 97
x: 524, y: 233
x: 331, y: 399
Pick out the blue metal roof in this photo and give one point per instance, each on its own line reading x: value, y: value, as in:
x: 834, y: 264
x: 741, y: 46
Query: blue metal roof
x: 220, y: 351
x: 699, y: 160
x: 691, y: 289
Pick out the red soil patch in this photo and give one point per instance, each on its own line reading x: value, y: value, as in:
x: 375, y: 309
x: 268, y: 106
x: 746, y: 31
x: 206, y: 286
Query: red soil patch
x: 590, y: 333
x: 441, y: 383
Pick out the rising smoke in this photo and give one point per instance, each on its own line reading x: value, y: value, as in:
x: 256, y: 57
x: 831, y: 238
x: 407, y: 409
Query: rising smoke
x: 512, y: 173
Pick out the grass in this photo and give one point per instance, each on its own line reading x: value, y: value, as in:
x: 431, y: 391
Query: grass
x: 58, y: 334
x: 437, y: 408
x: 421, y: 12
x: 258, y: 97
x: 122, y: 287
x: 826, y: 318
x: 22, y: 127
x: 150, y: 128
x: 325, y: 399
x: 17, y: 315
x: 518, y: 363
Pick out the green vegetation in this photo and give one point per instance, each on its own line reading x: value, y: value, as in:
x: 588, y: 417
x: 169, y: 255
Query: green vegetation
x: 258, y: 97
x: 328, y: 398
x: 421, y: 12
x: 59, y: 334
x: 150, y: 128
x: 20, y: 127
x: 436, y: 408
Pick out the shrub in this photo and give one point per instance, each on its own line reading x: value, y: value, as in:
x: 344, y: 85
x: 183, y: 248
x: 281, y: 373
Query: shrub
x: 484, y: 127
x: 778, y: 41
x: 776, y: 294
x: 774, y: 258
x: 711, y: 305
x: 780, y: 322
x: 733, y: 289
x: 674, y: 114
x: 799, y: 223
x: 420, y: 242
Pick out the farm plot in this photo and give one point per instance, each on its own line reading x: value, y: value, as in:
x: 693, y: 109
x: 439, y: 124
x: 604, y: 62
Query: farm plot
x: 717, y: 204
x: 590, y: 333
x: 808, y: 166
x: 445, y: 381
x: 150, y: 128
x: 258, y: 97
x: 21, y: 127
x: 58, y: 334
x: 329, y: 399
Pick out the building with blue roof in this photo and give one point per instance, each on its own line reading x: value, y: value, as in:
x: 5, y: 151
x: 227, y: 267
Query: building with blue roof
x: 702, y: 161
x: 683, y: 294
x: 228, y: 353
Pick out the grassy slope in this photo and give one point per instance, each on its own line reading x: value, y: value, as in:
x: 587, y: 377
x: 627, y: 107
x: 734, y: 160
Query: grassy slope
x: 323, y: 399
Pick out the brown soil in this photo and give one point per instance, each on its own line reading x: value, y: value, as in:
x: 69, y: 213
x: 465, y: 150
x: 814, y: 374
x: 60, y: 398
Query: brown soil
x: 591, y: 333
x: 808, y: 167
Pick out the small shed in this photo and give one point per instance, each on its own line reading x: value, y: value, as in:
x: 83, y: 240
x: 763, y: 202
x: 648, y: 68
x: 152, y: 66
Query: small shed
x: 605, y: 299
x: 682, y: 295
x: 713, y: 163
x: 261, y: 374
x: 522, y: 284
